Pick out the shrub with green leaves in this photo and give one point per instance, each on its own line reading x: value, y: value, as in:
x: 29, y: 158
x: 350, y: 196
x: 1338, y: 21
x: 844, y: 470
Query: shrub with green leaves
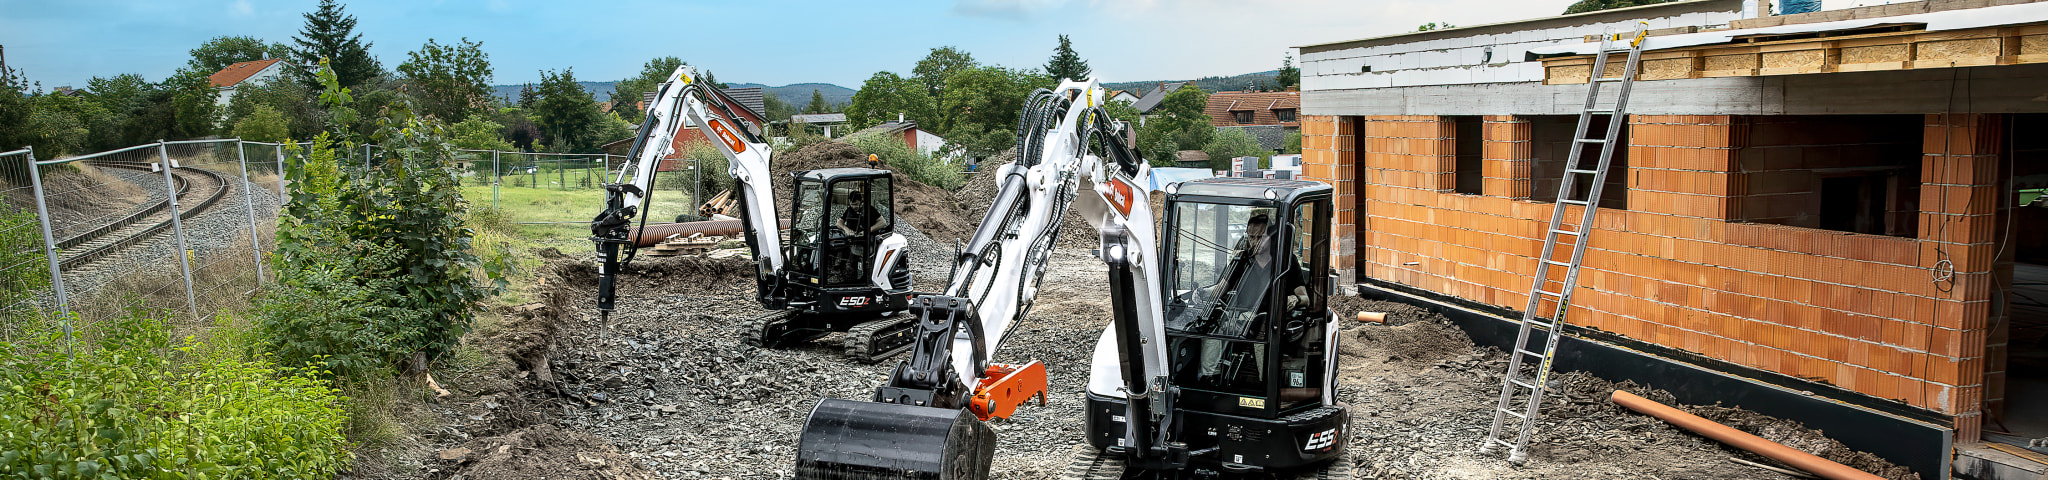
x: 375, y: 264
x: 130, y: 405
x: 929, y: 169
x: 23, y: 270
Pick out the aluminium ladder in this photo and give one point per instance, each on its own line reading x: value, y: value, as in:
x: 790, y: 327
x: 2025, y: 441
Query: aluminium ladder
x: 1516, y: 381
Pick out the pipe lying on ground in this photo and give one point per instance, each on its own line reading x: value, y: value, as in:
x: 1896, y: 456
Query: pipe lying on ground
x: 1738, y: 439
x: 1372, y: 317
x: 656, y: 232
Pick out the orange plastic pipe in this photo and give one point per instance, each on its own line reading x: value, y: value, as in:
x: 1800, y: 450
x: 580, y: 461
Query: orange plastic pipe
x: 1738, y: 439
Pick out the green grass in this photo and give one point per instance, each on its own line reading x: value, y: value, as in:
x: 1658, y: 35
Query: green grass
x: 544, y: 205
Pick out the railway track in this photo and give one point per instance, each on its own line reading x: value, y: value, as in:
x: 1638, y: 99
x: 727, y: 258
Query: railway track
x: 148, y: 221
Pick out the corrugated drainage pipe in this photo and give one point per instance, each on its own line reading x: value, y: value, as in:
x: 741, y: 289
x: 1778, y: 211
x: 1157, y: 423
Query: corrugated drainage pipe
x: 1774, y: 450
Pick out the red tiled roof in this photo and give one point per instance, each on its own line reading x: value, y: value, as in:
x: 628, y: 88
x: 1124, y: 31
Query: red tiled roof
x: 1260, y: 104
x: 235, y: 74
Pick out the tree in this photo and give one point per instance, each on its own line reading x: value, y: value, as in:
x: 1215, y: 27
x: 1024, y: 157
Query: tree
x: 15, y: 107
x: 1065, y: 64
x: 940, y: 65
x: 818, y: 104
x: 298, y: 105
x: 886, y: 95
x: 1232, y: 143
x: 628, y: 91
x: 478, y: 132
x: 329, y: 33
x: 263, y: 124
x: 1177, y: 123
x: 566, y: 113
x: 450, y: 81
x: 776, y: 108
x: 1290, y: 76
x: 978, y: 112
x: 527, y: 95
x: 220, y: 52
x: 1584, y: 6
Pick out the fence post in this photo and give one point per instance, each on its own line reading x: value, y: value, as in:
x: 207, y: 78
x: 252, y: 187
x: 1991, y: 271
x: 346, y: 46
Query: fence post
x: 561, y: 176
x: 35, y: 175
x: 163, y: 155
x: 249, y: 205
x: 495, y: 179
x: 280, y: 173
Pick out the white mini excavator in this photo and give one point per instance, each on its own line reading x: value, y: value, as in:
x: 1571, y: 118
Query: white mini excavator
x: 843, y: 269
x: 1219, y: 359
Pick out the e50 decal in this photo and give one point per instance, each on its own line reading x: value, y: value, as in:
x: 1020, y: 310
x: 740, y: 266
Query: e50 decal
x: 1321, y: 440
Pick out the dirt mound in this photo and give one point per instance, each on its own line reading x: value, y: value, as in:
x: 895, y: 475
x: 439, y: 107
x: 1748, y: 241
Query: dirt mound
x: 686, y: 275
x: 1796, y: 435
x: 539, y: 452
x: 932, y: 210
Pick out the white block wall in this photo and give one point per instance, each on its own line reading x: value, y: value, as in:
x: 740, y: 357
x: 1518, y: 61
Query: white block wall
x: 1457, y: 60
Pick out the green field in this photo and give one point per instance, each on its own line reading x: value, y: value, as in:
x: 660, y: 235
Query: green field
x: 571, y: 207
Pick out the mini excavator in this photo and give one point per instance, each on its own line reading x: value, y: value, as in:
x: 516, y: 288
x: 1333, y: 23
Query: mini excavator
x: 843, y: 268
x: 1219, y: 359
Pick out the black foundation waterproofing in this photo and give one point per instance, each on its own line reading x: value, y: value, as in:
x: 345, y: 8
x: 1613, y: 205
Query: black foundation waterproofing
x: 1901, y: 434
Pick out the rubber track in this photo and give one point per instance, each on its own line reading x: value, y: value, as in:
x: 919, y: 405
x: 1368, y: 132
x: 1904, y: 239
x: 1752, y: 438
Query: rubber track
x: 860, y: 336
x: 185, y: 185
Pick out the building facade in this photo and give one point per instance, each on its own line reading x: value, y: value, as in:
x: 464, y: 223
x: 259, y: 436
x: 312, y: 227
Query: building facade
x: 1832, y: 198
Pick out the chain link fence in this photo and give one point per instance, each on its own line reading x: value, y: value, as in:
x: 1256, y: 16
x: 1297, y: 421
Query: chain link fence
x: 183, y: 226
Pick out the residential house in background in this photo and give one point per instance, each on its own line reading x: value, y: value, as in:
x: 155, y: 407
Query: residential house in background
x: 244, y: 73
x: 1827, y: 202
x: 1124, y: 96
x: 1150, y: 100
x: 1267, y: 116
x: 824, y: 120
x: 909, y: 132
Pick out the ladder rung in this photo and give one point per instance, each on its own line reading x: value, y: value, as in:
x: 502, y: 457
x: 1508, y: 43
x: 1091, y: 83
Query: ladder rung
x: 1491, y: 439
x: 1582, y: 170
x: 1568, y: 201
x: 1601, y: 111
x: 1518, y: 381
x: 1545, y: 326
x: 1568, y: 232
x: 1607, y: 80
x: 1529, y: 353
x: 1591, y: 140
x: 1512, y: 412
x: 1550, y: 293
x: 1558, y: 263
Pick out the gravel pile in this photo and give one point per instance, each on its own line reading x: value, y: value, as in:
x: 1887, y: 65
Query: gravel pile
x: 669, y: 385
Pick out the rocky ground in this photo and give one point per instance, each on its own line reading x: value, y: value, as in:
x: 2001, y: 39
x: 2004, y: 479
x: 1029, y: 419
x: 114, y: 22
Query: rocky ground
x: 665, y: 389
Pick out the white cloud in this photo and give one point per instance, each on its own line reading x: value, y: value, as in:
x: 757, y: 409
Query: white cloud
x: 243, y: 8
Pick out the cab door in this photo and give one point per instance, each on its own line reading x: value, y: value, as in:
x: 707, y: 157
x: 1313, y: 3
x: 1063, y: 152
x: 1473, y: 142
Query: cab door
x: 857, y: 219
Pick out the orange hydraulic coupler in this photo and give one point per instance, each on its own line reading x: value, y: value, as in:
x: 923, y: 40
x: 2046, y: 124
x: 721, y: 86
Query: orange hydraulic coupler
x: 1004, y: 387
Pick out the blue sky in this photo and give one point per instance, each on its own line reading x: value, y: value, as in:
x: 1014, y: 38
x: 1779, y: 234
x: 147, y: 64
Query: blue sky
x: 66, y: 42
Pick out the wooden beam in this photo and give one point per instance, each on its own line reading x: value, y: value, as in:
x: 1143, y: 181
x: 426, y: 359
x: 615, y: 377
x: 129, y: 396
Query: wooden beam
x: 1855, y: 51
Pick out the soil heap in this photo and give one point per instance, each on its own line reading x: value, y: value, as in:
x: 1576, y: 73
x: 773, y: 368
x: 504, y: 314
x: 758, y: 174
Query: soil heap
x: 932, y: 210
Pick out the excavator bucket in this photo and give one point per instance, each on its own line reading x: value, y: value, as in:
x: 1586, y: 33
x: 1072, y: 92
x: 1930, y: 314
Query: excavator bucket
x: 849, y: 440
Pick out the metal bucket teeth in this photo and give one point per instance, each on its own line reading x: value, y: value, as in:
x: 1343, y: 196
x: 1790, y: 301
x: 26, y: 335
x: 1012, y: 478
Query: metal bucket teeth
x: 849, y: 440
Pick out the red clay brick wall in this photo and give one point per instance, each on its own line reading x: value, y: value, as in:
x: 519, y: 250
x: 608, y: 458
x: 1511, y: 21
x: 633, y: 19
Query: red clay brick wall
x: 1857, y: 311
x: 1328, y: 155
x: 1786, y: 157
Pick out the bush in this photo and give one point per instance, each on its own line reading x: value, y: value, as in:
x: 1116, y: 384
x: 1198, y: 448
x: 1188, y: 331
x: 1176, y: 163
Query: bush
x: 1232, y: 143
x: 917, y: 165
x: 263, y: 124
x: 23, y: 269
x: 375, y: 268
x: 128, y: 407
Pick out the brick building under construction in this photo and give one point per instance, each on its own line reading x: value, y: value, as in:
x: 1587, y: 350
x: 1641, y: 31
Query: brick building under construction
x: 1829, y: 217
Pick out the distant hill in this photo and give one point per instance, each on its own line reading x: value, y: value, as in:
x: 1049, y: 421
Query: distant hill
x: 1265, y: 79
x: 601, y: 90
x: 796, y: 94
x: 799, y: 94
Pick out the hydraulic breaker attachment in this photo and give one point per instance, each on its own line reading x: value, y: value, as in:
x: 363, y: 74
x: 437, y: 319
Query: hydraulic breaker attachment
x: 846, y: 440
x: 609, y: 231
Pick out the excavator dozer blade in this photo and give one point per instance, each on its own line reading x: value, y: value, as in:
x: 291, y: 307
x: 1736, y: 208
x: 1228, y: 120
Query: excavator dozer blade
x: 849, y: 440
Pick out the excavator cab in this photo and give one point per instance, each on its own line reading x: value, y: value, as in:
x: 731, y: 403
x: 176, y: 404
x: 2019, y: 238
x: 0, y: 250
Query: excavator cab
x: 840, y: 220
x: 1250, y: 340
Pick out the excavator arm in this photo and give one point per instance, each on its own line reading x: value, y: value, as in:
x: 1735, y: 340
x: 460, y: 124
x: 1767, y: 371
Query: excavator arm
x: 681, y: 102
x: 927, y: 421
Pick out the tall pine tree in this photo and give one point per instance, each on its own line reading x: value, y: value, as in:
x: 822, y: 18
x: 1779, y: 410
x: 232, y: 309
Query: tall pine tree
x: 1065, y: 64
x: 330, y: 33
x: 818, y: 104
